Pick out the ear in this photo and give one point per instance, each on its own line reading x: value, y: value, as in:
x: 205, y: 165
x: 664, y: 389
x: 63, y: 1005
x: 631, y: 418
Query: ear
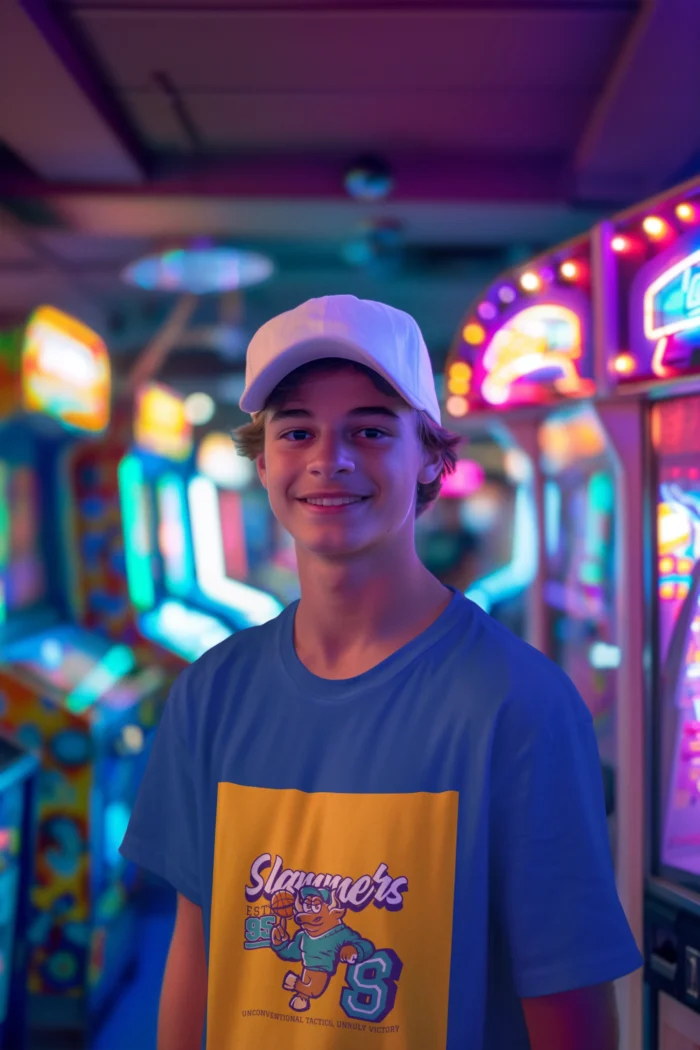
x: 262, y: 470
x: 431, y: 468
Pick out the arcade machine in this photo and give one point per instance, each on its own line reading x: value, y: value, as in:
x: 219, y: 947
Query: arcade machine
x: 82, y: 702
x: 183, y: 608
x: 652, y: 253
x: 526, y: 364
x: 18, y: 778
x: 236, y: 538
x: 579, y: 571
x: 524, y: 350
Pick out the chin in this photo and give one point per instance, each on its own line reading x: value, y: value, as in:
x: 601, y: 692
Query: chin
x: 346, y: 548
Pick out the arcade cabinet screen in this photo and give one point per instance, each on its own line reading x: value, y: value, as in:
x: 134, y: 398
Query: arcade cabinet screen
x: 675, y: 429
x: 24, y: 579
x: 84, y: 667
x: 579, y: 540
x: 172, y: 534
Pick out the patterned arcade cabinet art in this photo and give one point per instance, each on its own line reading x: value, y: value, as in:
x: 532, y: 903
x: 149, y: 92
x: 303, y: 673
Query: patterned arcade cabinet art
x: 18, y: 775
x: 82, y: 702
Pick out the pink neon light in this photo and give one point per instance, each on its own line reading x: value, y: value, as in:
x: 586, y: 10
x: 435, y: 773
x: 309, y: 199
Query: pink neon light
x: 486, y: 311
x: 467, y: 478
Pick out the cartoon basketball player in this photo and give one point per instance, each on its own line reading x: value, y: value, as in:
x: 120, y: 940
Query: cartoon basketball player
x: 321, y: 944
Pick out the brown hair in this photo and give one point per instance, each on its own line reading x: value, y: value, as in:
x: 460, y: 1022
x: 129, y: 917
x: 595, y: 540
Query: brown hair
x: 250, y: 438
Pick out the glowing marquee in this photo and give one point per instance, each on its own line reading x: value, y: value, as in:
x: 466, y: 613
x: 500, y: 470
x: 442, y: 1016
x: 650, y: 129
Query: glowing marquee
x: 161, y: 425
x: 65, y: 371
x: 672, y: 301
x: 671, y: 306
x: 541, y: 344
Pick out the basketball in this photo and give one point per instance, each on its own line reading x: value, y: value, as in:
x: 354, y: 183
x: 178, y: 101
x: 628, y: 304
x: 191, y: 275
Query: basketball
x: 282, y: 904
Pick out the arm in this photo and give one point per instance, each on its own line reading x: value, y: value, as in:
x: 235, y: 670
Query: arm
x: 362, y: 949
x: 183, y: 999
x: 554, y: 900
x: 585, y: 1019
x: 288, y: 950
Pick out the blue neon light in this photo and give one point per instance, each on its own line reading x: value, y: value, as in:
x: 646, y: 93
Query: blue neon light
x: 672, y: 302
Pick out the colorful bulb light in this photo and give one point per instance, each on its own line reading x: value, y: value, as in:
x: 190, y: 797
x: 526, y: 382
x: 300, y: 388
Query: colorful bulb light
x: 486, y: 310
x: 458, y: 385
x: 457, y: 406
x: 506, y: 294
x: 530, y: 281
x: 199, y: 409
x: 654, y: 227
x: 686, y: 212
x: 569, y: 270
x: 460, y: 370
x: 474, y: 334
x: 624, y: 364
x: 620, y: 244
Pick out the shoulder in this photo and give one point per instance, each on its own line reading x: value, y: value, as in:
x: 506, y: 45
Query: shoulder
x: 517, y: 681
x: 535, y: 693
x: 200, y: 689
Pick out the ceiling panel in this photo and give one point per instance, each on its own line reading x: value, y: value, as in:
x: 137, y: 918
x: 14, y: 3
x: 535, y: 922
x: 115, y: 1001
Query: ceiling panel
x: 344, y: 51
x: 86, y: 250
x: 22, y: 290
x: 44, y: 117
x: 13, y: 249
x: 354, y: 5
x: 320, y: 221
x: 497, y: 122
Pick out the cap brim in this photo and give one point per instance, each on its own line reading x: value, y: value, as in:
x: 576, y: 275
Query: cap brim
x: 255, y: 396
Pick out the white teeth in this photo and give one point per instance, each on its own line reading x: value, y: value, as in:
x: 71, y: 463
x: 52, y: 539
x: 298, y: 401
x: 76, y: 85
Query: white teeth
x: 338, y: 502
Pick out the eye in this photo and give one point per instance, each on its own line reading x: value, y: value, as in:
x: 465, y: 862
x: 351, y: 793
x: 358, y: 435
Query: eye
x: 316, y: 908
x: 294, y: 435
x: 373, y: 433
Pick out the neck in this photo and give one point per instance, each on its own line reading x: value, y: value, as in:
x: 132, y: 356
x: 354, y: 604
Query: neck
x: 354, y: 614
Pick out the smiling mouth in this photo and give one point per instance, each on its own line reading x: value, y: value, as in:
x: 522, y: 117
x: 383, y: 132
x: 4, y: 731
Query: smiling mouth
x: 338, y: 501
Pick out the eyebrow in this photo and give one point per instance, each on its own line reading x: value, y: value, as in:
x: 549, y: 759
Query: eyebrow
x: 367, y: 410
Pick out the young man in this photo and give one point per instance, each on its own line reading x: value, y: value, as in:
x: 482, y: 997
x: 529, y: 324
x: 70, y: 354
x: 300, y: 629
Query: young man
x: 382, y: 812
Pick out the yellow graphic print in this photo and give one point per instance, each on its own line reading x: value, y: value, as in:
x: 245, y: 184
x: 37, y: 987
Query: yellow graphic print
x: 331, y: 923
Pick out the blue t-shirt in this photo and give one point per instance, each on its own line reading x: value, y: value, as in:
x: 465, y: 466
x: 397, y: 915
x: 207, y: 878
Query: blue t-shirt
x: 448, y: 806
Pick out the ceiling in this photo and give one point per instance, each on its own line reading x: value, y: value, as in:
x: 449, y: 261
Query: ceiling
x: 508, y: 125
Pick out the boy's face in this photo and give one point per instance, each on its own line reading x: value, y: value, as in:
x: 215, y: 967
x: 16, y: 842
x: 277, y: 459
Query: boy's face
x: 338, y: 437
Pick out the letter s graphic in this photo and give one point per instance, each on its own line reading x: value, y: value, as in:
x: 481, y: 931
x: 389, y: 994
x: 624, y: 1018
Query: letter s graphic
x: 254, y: 892
x: 370, y: 992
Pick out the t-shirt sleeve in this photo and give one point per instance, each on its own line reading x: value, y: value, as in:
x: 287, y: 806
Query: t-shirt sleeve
x: 553, y: 883
x: 162, y: 835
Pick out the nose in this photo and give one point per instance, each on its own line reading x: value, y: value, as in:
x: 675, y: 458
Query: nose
x: 330, y: 456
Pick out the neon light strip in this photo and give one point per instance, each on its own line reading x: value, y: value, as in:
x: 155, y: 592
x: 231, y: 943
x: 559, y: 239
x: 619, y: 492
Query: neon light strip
x: 117, y: 662
x: 666, y: 277
x: 184, y: 631
x: 172, y: 512
x: 657, y: 362
x: 137, y: 538
x: 254, y: 605
x: 552, y: 517
x: 69, y: 524
x: 496, y: 387
x: 520, y: 572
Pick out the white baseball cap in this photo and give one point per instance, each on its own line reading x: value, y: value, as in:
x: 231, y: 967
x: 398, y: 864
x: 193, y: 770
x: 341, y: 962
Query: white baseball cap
x: 384, y: 339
